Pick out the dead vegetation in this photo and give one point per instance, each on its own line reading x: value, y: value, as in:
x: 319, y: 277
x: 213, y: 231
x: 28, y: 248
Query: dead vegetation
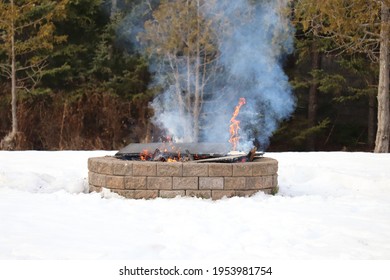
x: 86, y: 122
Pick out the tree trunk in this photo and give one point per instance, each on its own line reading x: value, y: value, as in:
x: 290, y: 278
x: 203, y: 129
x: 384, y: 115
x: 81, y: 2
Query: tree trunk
x: 188, y: 94
x: 179, y: 96
x: 9, y: 141
x: 313, y: 92
x: 114, y: 7
x: 383, y: 130
x: 371, y: 121
x: 15, y: 127
x: 197, y: 81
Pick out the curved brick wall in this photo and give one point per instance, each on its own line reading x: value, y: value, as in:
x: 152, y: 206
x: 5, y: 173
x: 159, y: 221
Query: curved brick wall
x: 146, y: 179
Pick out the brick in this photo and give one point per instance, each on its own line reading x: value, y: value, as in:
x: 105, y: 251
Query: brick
x: 200, y: 194
x: 159, y: 183
x: 169, y: 169
x: 185, y: 183
x: 242, y: 169
x: 211, y: 183
x: 145, y: 194
x: 171, y: 194
x: 91, y: 164
x: 235, y: 183
x: 122, y: 167
x: 135, y: 183
x: 115, y: 182
x: 257, y: 183
x: 98, y: 180
x: 102, y: 165
x: 220, y: 169
x: 264, y: 166
x: 216, y: 194
x: 246, y: 193
x: 94, y: 189
x: 195, y: 169
x: 144, y: 168
x: 275, y: 180
x: 124, y: 193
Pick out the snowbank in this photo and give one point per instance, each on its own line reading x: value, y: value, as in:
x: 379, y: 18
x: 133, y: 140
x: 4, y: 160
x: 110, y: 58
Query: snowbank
x: 332, y: 205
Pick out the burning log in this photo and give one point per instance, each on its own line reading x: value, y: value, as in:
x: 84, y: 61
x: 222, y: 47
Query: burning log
x: 159, y: 156
x: 166, y: 156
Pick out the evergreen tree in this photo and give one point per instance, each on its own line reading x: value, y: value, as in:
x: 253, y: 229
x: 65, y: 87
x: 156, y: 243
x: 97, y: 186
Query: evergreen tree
x: 27, y: 37
x: 356, y: 26
x: 70, y: 63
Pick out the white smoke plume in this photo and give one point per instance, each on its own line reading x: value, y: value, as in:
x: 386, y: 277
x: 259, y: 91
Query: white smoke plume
x: 253, y: 39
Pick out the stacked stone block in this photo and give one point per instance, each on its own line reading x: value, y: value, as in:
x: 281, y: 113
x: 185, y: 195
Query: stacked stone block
x: 144, y: 179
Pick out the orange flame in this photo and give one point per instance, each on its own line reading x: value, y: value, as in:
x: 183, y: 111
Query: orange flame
x: 145, y: 155
x: 235, y: 125
x: 166, y: 148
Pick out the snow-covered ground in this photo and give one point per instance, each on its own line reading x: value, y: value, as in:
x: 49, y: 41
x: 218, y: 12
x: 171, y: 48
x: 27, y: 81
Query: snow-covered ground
x: 333, y: 205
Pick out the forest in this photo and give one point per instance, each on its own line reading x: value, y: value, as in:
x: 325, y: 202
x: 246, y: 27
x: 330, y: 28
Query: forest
x: 97, y: 74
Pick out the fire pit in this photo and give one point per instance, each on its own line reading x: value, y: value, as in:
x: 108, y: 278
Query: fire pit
x: 206, y: 170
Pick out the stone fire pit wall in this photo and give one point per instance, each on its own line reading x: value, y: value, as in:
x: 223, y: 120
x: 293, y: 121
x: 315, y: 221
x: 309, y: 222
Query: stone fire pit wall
x: 145, y: 179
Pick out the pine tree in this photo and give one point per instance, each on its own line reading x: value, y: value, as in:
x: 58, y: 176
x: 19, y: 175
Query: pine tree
x: 356, y: 26
x: 26, y: 38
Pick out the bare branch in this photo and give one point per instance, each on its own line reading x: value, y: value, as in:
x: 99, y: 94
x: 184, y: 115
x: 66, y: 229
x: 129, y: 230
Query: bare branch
x: 6, y: 69
x: 37, y: 64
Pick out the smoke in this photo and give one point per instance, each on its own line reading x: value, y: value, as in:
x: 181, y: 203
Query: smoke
x: 252, y: 55
x: 252, y: 40
x: 177, y: 124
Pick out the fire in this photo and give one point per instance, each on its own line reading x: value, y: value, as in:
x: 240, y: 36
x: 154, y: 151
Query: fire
x: 167, y: 152
x: 145, y: 155
x: 235, y: 125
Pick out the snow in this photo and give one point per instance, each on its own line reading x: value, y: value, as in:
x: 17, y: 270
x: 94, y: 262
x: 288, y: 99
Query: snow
x: 331, y: 205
